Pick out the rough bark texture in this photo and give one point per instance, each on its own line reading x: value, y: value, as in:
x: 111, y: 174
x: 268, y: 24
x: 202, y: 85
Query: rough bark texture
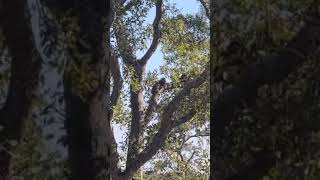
x: 79, y: 136
x: 271, y: 69
x: 23, y: 80
x: 88, y: 129
x: 167, y: 124
x: 137, y: 110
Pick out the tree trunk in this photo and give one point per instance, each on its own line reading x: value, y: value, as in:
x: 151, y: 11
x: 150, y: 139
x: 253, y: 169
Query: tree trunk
x: 87, y: 97
x: 23, y: 80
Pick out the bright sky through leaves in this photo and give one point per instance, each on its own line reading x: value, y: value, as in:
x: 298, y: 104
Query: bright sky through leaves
x: 185, y: 7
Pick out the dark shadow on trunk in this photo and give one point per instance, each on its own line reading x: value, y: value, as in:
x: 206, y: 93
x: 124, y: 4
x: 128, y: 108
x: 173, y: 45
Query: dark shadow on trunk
x: 87, y: 122
x: 24, y: 77
x: 79, y: 136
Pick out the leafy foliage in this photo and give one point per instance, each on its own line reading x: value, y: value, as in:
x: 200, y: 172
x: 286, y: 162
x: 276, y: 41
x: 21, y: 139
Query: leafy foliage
x: 284, y: 119
x: 184, y: 43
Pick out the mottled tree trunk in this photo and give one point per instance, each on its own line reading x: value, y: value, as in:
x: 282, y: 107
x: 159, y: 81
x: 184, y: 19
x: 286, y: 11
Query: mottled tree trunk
x: 23, y: 80
x: 87, y: 97
x: 49, y: 42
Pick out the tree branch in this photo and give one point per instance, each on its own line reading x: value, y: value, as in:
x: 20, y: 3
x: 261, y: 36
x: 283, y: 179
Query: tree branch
x: 137, y: 97
x: 156, y: 143
x: 137, y: 110
x: 206, y: 8
x: 165, y: 125
x: 117, y: 81
x: 114, y: 155
x: 113, y: 6
x: 174, y: 103
x: 158, y: 88
x: 125, y: 49
x: 122, y: 2
x: 197, y: 135
x: 156, y: 32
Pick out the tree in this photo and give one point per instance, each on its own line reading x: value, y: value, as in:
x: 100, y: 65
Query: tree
x: 158, y: 108
x: 25, y: 67
x: 70, y: 40
x: 75, y: 32
x: 86, y: 89
x: 256, y: 116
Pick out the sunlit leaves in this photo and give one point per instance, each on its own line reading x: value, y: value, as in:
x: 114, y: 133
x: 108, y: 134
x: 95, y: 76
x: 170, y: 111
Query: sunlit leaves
x: 134, y: 20
x: 121, y: 114
x: 185, y: 45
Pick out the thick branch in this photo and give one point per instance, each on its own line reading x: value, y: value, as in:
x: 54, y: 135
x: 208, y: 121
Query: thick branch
x: 206, y: 8
x: 117, y: 86
x: 156, y: 91
x: 114, y: 156
x: 136, y: 95
x: 271, y: 69
x: 204, y: 134
x: 156, y: 32
x: 165, y: 125
x: 112, y: 14
x: 137, y: 107
x: 175, y: 102
x: 137, y: 110
x: 117, y: 81
x: 156, y: 143
x: 122, y: 2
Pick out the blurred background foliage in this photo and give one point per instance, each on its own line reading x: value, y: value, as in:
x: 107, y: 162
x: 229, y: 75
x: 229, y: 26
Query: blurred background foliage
x: 285, y: 120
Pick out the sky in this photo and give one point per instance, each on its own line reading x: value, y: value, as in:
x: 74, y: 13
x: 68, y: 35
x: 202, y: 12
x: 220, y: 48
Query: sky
x: 186, y: 7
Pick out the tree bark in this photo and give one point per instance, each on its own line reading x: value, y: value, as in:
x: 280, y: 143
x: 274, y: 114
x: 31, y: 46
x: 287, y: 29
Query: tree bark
x: 137, y: 112
x: 23, y: 81
x: 87, y: 119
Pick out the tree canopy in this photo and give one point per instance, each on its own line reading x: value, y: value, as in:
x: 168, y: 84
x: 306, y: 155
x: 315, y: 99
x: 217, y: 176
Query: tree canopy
x: 83, y: 70
x: 264, y: 87
x: 164, y: 109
